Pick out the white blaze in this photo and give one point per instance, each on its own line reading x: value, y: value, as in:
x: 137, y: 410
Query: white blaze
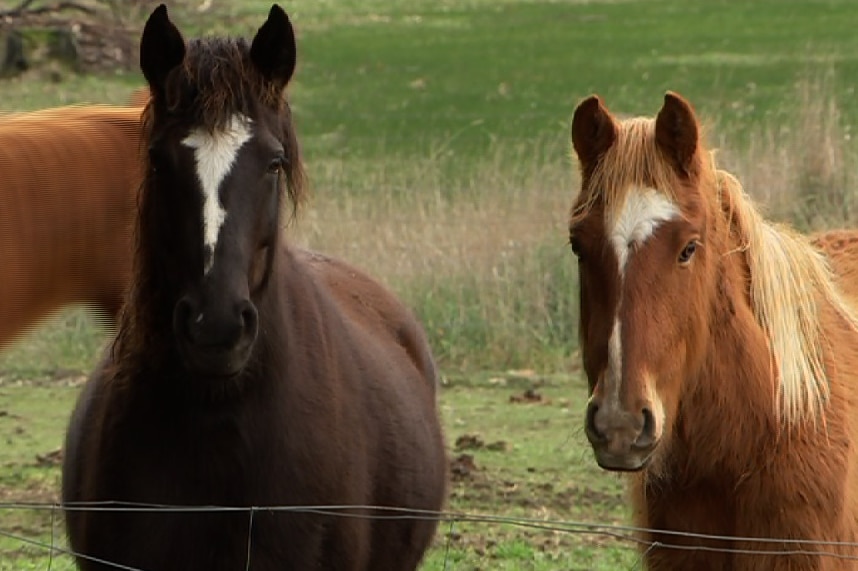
x: 215, y: 154
x: 644, y: 210
x: 615, y: 366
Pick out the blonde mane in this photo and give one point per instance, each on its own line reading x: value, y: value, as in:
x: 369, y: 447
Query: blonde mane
x: 790, y: 279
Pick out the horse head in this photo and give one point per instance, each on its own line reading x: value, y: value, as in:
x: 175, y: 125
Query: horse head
x: 641, y: 228
x: 221, y: 151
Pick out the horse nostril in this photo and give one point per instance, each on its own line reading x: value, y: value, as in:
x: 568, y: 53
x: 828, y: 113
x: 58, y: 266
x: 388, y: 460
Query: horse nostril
x: 590, y: 424
x: 182, y: 315
x: 249, y: 317
x: 647, y: 435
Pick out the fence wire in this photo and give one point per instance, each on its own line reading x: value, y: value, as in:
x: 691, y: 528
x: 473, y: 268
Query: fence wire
x: 630, y: 534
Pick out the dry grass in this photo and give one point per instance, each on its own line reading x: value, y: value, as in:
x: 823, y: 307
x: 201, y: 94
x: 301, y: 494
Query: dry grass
x: 478, y: 247
x: 480, y: 255
x: 804, y: 171
x: 402, y: 223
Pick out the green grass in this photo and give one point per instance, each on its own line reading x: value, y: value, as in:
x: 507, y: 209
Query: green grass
x: 418, y: 77
x: 436, y: 138
x: 533, y: 461
x: 462, y: 75
x: 530, y: 460
x: 66, y: 345
x: 32, y: 425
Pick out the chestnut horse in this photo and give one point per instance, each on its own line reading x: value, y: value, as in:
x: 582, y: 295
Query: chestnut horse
x: 69, y: 178
x: 721, y: 353
x: 246, y: 372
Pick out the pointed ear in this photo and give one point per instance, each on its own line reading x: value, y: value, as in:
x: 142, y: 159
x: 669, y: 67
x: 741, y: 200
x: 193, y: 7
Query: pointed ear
x: 593, y: 131
x: 676, y: 131
x: 161, y: 48
x: 273, y: 49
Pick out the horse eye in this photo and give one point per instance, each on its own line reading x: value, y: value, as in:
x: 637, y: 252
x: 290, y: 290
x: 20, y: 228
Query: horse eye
x: 575, y: 245
x: 276, y: 164
x: 687, y: 252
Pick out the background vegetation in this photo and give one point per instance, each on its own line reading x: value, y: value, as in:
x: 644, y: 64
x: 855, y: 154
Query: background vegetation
x: 436, y: 138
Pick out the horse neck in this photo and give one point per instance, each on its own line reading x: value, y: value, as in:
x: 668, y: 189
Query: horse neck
x: 292, y: 310
x: 735, y: 375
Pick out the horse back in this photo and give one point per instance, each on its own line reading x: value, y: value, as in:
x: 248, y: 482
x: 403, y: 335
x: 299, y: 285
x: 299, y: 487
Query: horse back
x: 69, y: 187
x: 841, y: 248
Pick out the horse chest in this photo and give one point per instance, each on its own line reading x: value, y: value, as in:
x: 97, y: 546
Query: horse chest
x: 201, y: 462
x: 230, y: 456
x: 210, y: 539
x: 692, y: 508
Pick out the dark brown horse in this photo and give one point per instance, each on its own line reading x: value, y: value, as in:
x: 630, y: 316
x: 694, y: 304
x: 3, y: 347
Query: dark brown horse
x: 246, y: 372
x: 68, y: 186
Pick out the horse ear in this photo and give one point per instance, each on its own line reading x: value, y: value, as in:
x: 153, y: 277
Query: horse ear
x: 162, y: 48
x: 676, y: 131
x: 273, y: 49
x: 593, y: 131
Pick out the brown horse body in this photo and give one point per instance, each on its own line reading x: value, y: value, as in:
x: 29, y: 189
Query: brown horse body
x: 69, y: 179
x: 722, y: 355
x: 346, y: 417
x: 245, y: 372
x: 734, y: 470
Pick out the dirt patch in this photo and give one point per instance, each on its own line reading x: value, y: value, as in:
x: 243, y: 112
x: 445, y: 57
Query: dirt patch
x: 50, y: 459
x: 529, y: 396
x: 463, y: 467
x: 469, y: 442
x: 474, y: 442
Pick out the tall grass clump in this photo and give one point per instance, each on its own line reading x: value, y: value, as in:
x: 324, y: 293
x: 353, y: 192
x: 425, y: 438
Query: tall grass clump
x: 803, y: 171
x: 479, y: 252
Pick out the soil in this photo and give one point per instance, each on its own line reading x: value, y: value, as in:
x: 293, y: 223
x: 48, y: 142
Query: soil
x: 91, y: 39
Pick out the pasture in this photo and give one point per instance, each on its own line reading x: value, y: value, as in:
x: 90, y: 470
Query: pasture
x: 436, y: 137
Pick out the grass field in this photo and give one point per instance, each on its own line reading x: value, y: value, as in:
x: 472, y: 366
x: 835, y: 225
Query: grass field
x: 517, y: 452
x: 436, y: 139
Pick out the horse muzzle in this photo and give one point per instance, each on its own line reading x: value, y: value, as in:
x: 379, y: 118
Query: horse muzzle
x: 621, y: 441
x: 215, y: 341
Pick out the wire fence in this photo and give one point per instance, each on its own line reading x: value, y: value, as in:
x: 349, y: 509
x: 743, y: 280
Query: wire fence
x: 633, y: 536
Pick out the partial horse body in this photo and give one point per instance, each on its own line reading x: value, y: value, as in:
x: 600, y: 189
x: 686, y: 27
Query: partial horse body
x: 69, y: 178
x: 721, y: 353
x: 139, y: 97
x: 246, y: 372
